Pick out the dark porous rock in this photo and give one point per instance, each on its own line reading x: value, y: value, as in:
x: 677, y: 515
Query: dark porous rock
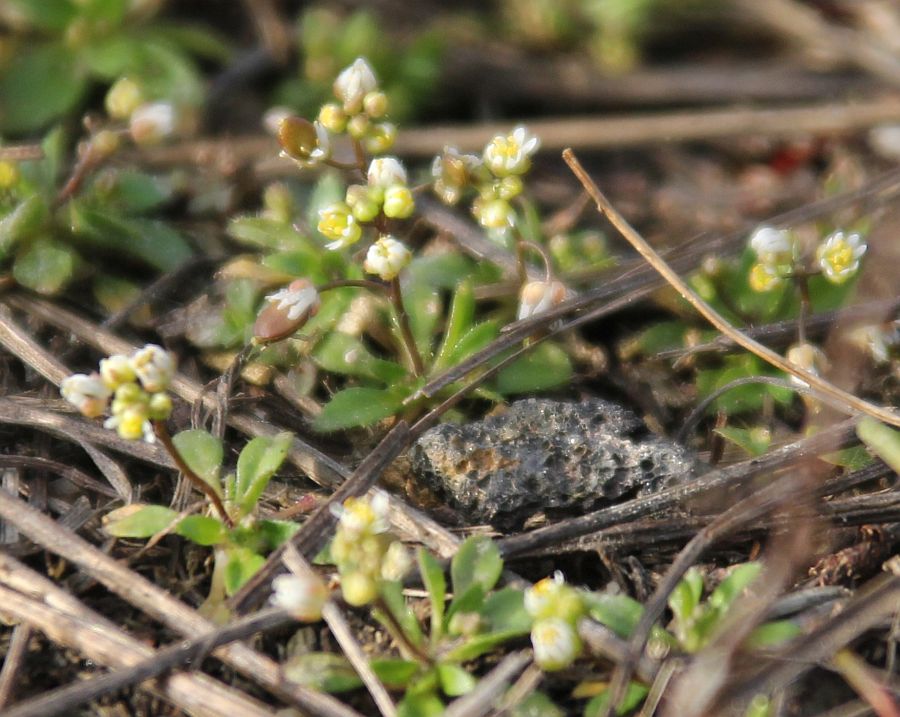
x: 543, y: 456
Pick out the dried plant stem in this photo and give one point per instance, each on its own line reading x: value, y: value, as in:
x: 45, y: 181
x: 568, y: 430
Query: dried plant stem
x: 405, y: 329
x: 162, y: 433
x: 851, y: 403
x: 342, y: 632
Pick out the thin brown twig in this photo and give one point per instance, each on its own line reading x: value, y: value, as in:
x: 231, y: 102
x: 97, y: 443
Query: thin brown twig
x: 853, y: 404
x: 159, y: 604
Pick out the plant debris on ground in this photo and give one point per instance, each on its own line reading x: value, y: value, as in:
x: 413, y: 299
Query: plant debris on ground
x: 527, y: 357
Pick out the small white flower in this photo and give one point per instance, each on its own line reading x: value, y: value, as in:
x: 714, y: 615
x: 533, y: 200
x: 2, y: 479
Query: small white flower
x: 839, y: 256
x: 386, y: 258
x: 511, y: 154
x: 363, y: 515
x: 116, y: 370
x: 397, y: 562
x: 537, y: 297
x: 302, y: 596
x: 132, y: 424
x: 386, y: 172
x: 542, y: 594
x: 153, y: 122
x: 87, y: 393
x: 297, y: 298
x: 353, y: 84
x: 494, y: 214
x: 555, y: 643
x: 772, y: 245
x: 154, y: 367
x: 336, y: 221
x: 808, y: 357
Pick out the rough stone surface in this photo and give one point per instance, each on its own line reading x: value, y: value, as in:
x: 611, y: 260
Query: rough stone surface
x: 546, y: 456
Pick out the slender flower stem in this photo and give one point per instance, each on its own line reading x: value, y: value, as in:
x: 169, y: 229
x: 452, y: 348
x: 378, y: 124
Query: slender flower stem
x: 360, y: 155
x: 405, y: 330
x: 386, y: 617
x: 162, y: 433
x: 803, y: 288
x: 545, y: 257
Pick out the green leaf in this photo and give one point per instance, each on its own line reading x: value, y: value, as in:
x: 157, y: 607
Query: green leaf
x: 731, y: 587
x: 152, y: 242
x: 109, y: 58
x: 619, y: 613
x: 882, y: 440
x: 275, y: 533
x: 324, y: 671
x: 772, y: 634
x: 197, y: 40
x: 475, y: 339
x: 477, y: 562
x: 504, y: 610
x: 46, y: 267
x: 138, y: 520
x: 202, y: 529
x: 462, y: 314
x: 742, y: 399
x: 265, y: 233
x: 131, y: 192
x: 634, y: 695
x: 433, y: 578
x: 478, y: 645
x: 51, y: 16
x: 395, y: 673
x: 202, y: 451
x: 854, y: 458
x: 424, y: 306
x: 425, y: 704
x: 354, y: 407
x: 392, y: 593
x: 241, y: 566
x: 686, y: 596
x: 256, y: 465
x: 467, y: 601
x: 454, y: 680
x: 537, y: 704
x: 754, y: 441
x: 347, y: 355
x: 39, y: 85
x: 21, y: 222
x: 545, y: 366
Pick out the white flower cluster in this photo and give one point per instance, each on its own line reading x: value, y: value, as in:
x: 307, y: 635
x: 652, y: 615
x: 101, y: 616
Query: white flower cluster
x: 137, y: 385
x: 556, y: 608
x: 496, y: 176
x: 364, y: 552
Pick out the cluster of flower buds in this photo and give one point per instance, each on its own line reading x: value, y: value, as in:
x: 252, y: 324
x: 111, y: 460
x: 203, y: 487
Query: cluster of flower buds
x: 776, y: 252
x: 496, y: 176
x: 386, y: 193
x: 556, y: 608
x: 148, y: 122
x: 360, y: 109
x: 364, y: 551
x: 303, y: 596
x: 137, y: 385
